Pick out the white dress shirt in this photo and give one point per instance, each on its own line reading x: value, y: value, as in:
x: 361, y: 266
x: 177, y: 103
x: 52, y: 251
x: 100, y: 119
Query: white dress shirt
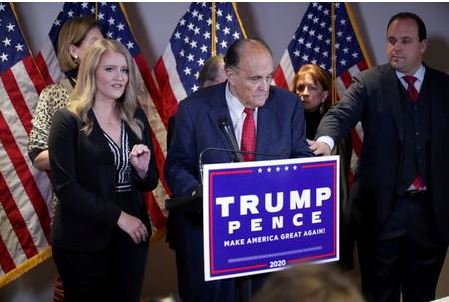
x: 237, y: 115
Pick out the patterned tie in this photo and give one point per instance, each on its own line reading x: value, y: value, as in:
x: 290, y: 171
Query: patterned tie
x: 248, y: 134
x: 412, y: 92
x: 418, y: 183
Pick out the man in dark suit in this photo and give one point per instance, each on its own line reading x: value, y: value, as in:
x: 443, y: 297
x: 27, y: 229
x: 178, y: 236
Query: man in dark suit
x: 276, y: 127
x: 400, y: 202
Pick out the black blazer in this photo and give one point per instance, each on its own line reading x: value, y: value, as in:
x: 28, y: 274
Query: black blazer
x: 374, y: 99
x: 83, y: 175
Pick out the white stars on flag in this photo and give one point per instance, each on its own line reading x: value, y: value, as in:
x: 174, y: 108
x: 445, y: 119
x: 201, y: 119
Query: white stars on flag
x: 11, y: 42
x: 312, y: 40
x: 192, y: 36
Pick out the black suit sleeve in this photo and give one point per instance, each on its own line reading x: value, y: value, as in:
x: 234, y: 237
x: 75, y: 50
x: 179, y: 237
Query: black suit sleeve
x: 338, y: 121
x: 181, y: 170
x: 151, y: 179
x: 300, y: 148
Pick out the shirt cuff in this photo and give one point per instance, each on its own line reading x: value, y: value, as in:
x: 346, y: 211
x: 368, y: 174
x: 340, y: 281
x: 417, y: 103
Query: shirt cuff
x: 328, y: 140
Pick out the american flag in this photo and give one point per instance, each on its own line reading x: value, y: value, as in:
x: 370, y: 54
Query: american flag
x: 24, y: 191
x: 114, y: 25
x: 205, y: 30
x: 312, y: 43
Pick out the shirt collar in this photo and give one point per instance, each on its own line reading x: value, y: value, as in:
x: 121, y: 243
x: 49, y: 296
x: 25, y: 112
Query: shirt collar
x: 419, y: 74
x: 235, y: 106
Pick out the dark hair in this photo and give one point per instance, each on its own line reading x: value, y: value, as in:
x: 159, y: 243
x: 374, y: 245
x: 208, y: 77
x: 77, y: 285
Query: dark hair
x: 232, y: 58
x: 422, y: 33
x: 210, y: 69
x: 318, y: 75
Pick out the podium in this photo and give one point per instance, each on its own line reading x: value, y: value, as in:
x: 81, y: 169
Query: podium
x: 260, y: 217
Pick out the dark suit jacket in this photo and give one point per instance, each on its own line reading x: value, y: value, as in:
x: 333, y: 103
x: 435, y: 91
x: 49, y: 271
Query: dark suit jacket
x: 280, y: 131
x: 83, y: 177
x: 374, y: 99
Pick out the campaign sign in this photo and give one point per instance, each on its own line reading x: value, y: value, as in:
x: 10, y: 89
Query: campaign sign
x: 263, y: 216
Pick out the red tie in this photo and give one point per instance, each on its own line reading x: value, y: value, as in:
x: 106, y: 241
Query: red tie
x: 418, y: 182
x: 412, y: 92
x: 248, y: 135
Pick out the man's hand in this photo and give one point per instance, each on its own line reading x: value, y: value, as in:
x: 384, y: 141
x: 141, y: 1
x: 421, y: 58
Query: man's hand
x: 319, y: 148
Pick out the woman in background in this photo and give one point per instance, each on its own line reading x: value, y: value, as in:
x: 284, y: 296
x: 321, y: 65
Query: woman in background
x: 313, y: 85
x: 75, y: 37
x: 101, y: 162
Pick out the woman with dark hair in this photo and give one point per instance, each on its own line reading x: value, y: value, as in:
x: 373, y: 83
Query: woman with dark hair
x: 313, y: 85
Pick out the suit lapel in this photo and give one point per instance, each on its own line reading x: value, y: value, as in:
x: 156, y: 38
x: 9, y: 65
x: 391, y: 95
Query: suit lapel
x: 436, y: 112
x: 393, y: 99
x: 218, y: 111
x: 97, y: 136
x: 265, y: 122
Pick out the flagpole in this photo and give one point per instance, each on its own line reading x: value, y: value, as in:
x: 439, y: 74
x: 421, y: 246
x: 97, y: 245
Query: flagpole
x: 234, y: 6
x: 125, y: 14
x: 333, y: 57
x: 13, y: 9
x: 213, y: 51
x: 357, y: 35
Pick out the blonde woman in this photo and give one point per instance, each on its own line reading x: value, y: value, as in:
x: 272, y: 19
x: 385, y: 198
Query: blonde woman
x: 101, y: 160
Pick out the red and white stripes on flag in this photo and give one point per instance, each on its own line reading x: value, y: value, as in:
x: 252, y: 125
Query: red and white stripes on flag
x: 24, y: 191
x: 316, y: 40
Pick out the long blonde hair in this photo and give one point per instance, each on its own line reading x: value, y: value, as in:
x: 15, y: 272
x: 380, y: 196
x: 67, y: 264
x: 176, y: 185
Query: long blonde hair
x: 83, y: 95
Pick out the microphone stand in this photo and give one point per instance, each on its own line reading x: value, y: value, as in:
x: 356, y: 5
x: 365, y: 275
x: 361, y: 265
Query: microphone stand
x: 225, y: 126
x: 243, y: 284
x: 200, y: 157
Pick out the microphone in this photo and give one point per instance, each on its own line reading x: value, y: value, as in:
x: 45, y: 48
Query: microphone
x: 224, y: 125
x: 200, y: 157
x: 193, y: 203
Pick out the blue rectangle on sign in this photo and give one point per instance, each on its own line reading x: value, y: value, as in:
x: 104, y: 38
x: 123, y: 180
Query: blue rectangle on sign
x: 263, y: 216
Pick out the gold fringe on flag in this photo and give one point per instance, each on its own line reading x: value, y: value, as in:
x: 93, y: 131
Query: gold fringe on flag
x: 25, y: 266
